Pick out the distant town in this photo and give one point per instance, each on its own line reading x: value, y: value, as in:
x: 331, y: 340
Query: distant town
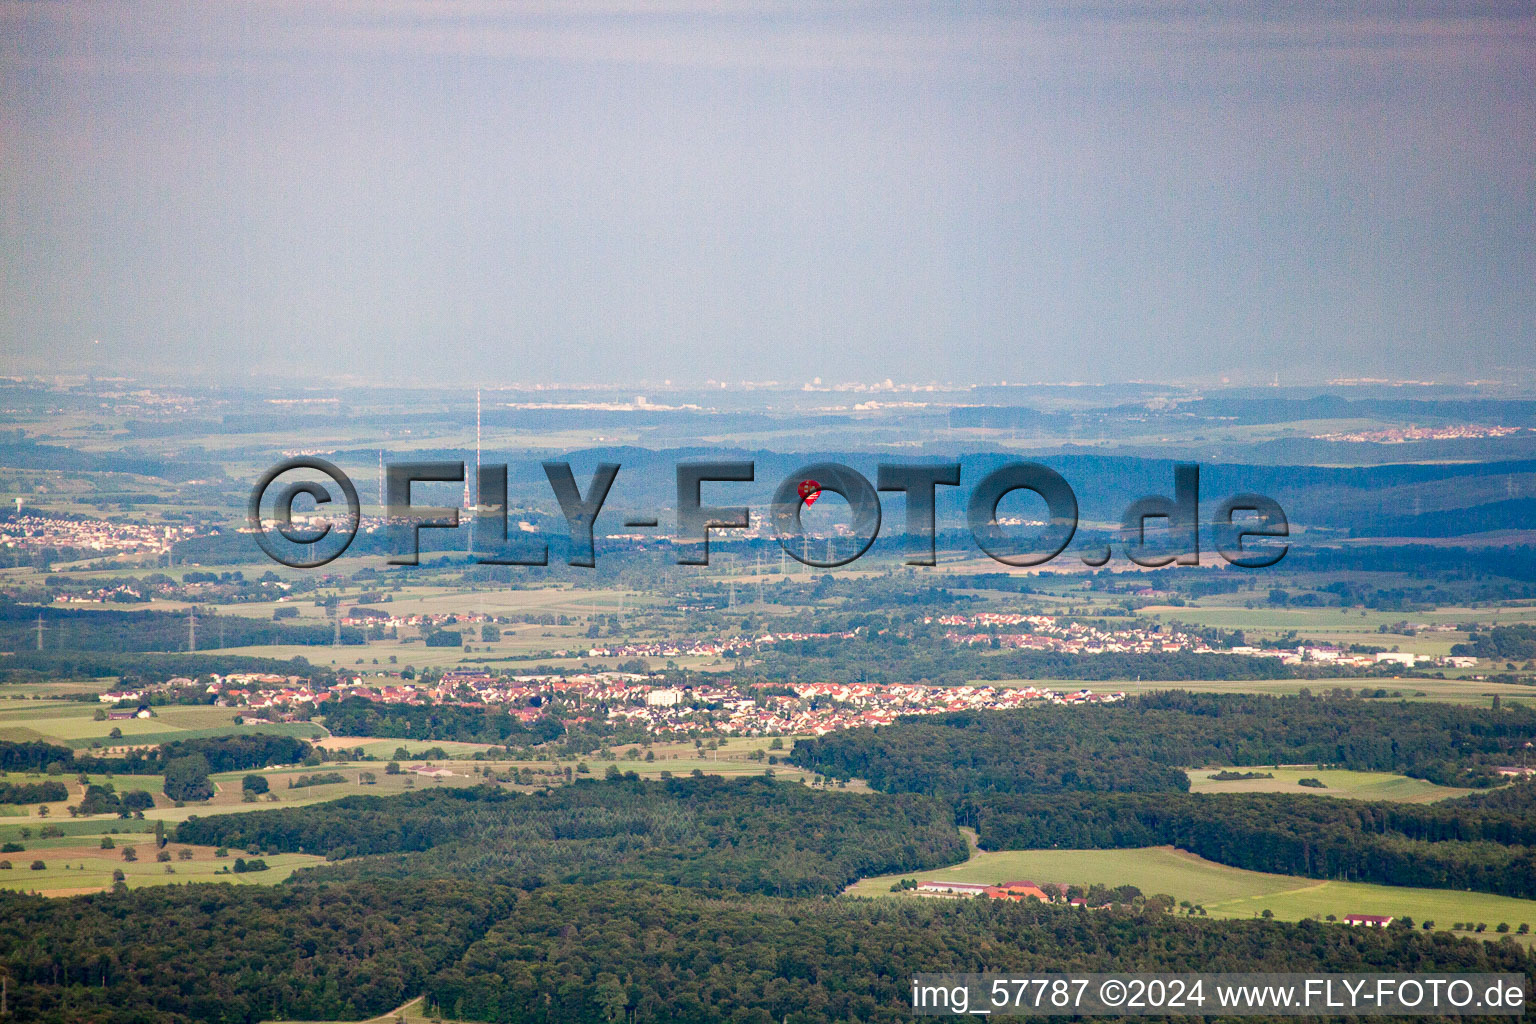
x: 708, y: 705
x: 35, y: 532
x: 1047, y: 633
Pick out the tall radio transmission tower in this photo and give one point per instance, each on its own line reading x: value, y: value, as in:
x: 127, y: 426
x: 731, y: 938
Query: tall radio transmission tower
x: 471, y: 508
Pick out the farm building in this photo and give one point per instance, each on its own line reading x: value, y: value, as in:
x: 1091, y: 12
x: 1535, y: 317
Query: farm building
x: 953, y: 888
x: 1025, y: 890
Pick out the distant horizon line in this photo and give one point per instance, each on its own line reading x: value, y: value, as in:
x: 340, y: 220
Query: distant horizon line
x: 814, y: 385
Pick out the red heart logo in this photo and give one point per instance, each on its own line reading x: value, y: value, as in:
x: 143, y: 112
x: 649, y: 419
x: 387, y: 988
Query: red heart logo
x: 810, y: 490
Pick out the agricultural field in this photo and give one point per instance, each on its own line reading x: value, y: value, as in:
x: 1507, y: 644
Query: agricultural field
x: 1225, y: 891
x: 57, y: 688
x: 228, y: 794
x: 78, y: 864
x: 59, y: 809
x: 73, y: 724
x: 681, y: 758
x: 383, y: 748
x: 371, y: 778
x: 28, y: 832
x: 731, y: 757
x: 419, y: 656
x: 66, y: 722
x: 1339, y: 783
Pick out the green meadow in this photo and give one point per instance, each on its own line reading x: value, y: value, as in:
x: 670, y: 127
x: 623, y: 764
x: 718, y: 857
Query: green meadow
x: 77, y: 864
x: 1225, y: 891
x: 1338, y: 782
x: 73, y: 724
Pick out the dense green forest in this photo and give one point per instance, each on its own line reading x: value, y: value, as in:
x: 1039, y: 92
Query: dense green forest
x: 356, y: 716
x: 1485, y: 843
x: 1140, y: 745
x: 750, y: 835
x: 186, y: 778
x: 227, y: 953
x: 902, y: 658
x: 103, y: 798
x: 32, y: 792
x: 593, y: 954
x: 222, y: 753
x: 74, y: 629
x: 1516, y: 642
x: 144, y: 667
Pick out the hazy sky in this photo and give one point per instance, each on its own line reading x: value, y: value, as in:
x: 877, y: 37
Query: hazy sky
x: 613, y: 191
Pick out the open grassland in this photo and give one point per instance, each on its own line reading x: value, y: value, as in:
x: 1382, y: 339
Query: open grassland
x: 385, y: 748
x: 27, y: 832
x: 57, y: 688
x: 1339, y: 782
x: 464, y: 763
x: 59, y: 809
x: 1266, y: 617
x: 735, y: 758
x: 371, y: 778
x: 73, y: 724
x: 79, y: 865
x: 229, y: 794
x: 1153, y: 870
x: 415, y: 655
x: 1225, y: 891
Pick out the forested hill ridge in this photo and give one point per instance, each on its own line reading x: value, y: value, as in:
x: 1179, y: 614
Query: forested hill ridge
x: 224, y: 754
x: 748, y: 835
x: 112, y: 631
x: 357, y: 716
x: 1142, y: 744
x: 616, y: 951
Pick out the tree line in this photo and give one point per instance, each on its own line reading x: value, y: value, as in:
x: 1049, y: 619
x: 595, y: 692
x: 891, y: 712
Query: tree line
x: 357, y: 716
x: 925, y: 657
x: 1454, y: 844
x: 221, y: 754
x: 33, y: 792
x: 134, y: 667
x: 1141, y: 744
x: 617, y: 951
x: 102, y: 630
x: 748, y: 835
